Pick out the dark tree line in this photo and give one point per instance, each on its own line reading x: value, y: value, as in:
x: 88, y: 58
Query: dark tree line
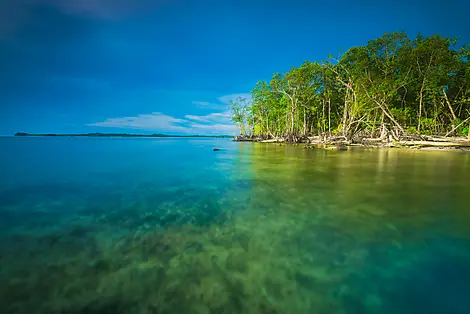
x: 392, y: 87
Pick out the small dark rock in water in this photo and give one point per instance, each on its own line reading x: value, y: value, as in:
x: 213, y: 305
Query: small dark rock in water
x: 216, y: 149
x: 341, y: 147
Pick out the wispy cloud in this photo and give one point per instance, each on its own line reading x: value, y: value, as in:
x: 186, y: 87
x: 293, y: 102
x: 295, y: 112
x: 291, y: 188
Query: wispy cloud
x: 226, y: 129
x: 154, y: 121
x: 215, y: 123
x: 212, y: 117
x: 223, y: 102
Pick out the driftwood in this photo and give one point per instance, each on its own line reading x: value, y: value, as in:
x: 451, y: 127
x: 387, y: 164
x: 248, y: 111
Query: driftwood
x: 434, y: 144
x: 243, y: 139
x: 341, y: 142
x: 456, y: 127
x: 445, y: 139
x: 274, y: 140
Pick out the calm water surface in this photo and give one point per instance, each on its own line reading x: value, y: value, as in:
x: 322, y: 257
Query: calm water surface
x: 109, y: 225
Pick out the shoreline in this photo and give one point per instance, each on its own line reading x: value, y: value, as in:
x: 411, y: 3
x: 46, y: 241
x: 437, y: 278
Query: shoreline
x: 156, y: 135
x: 341, y: 143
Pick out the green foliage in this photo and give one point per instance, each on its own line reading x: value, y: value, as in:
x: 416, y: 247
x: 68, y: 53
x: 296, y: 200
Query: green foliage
x: 241, y: 115
x: 428, y: 125
x: 411, y: 130
x: 464, y: 131
x: 414, y: 86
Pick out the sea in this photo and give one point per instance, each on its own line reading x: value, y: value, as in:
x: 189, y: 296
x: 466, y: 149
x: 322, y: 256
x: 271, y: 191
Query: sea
x: 168, y: 225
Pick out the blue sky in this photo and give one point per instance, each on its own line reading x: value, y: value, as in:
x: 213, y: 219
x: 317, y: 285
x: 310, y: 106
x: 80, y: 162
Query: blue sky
x: 171, y: 66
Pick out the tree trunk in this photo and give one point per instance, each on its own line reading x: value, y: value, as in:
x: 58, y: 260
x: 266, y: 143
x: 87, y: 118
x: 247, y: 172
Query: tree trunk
x: 345, y: 114
x: 454, y: 118
x: 240, y: 126
x: 420, y: 106
x: 267, y: 126
x: 375, y: 120
x: 287, y: 123
x: 329, y: 116
x: 448, y: 104
x: 292, y: 121
x: 383, y: 132
x: 323, y: 115
x: 292, y: 116
x: 305, y: 122
x: 383, y: 107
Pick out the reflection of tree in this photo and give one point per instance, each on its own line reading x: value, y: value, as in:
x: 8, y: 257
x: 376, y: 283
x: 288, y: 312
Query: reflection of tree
x: 306, y: 228
x: 397, y: 190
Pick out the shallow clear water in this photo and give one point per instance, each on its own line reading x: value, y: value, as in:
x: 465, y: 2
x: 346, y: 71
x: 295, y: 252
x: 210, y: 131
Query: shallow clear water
x: 109, y: 225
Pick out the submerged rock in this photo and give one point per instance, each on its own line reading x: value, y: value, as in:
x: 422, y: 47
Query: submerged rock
x: 216, y: 149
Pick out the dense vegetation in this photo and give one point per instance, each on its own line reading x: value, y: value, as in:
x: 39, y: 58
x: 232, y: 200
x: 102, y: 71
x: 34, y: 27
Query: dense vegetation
x: 390, y: 88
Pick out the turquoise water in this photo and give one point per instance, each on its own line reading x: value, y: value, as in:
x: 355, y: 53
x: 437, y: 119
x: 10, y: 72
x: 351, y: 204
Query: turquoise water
x: 110, y: 225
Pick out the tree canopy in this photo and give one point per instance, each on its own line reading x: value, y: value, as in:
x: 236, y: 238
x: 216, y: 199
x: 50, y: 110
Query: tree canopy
x: 388, y: 88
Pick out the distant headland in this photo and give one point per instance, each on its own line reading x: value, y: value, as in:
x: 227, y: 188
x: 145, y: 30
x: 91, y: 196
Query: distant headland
x: 121, y: 135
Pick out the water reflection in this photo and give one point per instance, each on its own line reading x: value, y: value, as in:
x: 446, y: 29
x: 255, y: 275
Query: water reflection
x: 254, y: 228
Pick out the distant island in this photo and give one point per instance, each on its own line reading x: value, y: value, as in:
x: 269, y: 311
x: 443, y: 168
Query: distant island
x: 121, y: 135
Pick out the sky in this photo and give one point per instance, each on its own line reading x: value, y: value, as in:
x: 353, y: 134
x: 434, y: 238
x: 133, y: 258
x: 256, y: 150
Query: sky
x: 173, y: 66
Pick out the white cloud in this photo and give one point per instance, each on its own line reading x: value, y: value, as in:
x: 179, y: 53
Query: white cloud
x: 212, y: 117
x: 223, y: 101
x: 218, y: 122
x: 154, y: 121
x: 214, y: 124
x: 215, y: 128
